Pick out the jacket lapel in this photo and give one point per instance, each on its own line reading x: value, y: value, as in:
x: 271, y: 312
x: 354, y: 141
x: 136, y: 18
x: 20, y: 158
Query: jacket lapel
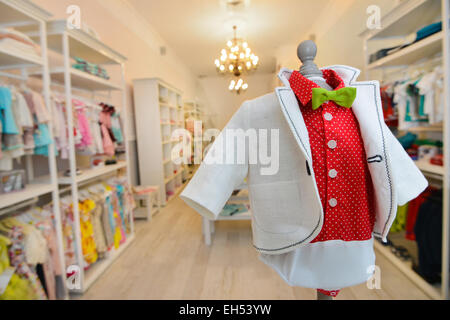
x: 368, y: 111
x: 291, y: 111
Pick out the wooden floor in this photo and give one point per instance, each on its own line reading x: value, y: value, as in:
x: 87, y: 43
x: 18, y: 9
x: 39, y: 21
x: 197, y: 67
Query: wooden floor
x: 169, y: 260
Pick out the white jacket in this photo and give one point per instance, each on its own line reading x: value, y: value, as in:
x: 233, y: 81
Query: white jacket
x: 286, y: 208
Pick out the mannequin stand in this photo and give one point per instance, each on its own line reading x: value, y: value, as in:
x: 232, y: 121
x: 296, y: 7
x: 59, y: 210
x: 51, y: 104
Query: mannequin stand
x: 306, y: 52
x: 321, y: 296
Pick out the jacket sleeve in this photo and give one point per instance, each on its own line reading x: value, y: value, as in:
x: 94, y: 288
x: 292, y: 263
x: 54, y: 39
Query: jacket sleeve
x: 216, y: 179
x: 407, y: 177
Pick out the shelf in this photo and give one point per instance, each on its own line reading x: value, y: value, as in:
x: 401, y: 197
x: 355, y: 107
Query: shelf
x: 81, y: 44
x: 13, y: 11
x: 241, y: 216
x: 81, y: 80
x: 407, y: 270
x: 169, y: 161
x: 428, y: 167
x: 167, y: 180
x: 16, y: 58
x: 405, y: 19
x: 164, y: 104
x: 99, y: 267
x: 171, y: 141
x: 31, y: 191
x: 426, y: 129
x: 89, y: 174
x: 176, y: 192
x: 425, y: 48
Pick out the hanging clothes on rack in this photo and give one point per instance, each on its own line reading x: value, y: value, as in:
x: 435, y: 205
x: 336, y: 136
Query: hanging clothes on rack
x: 97, y: 128
x: 28, y: 247
x: 105, y: 211
x: 416, y: 100
x: 24, y: 125
x: 428, y: 231
x: 431, y: 86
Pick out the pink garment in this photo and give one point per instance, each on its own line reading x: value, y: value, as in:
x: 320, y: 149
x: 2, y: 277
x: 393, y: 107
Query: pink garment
x: 105, y: 118
x: 108, y: 145
x: 37, y: 106
x: 85, y: 130
x: 50, y: 282
x: 42, y: 113
x: 62, y: 138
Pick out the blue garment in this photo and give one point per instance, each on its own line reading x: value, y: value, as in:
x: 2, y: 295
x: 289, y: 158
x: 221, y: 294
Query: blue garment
x: 6, y: 113
x: 428, y: 30
x: 110, y: 209
x: 232, y: 209
x: 120, y: 192
x: 407, y: 140
x: 42, y: 140
x: 117, y: 132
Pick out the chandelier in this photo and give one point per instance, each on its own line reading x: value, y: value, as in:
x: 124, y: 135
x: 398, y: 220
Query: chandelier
x: 237, y: 58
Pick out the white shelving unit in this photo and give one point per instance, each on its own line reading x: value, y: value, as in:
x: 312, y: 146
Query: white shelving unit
x: 159, y: 114
x: 406, y: 18
x: 72, y: 43
x: 82, y: 80
x: 193, y: 112
x: 208, y: 226
x: 18, y: 14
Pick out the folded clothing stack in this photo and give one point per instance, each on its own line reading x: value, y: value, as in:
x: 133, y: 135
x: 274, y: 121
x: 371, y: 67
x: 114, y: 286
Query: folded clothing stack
x: 15, y: 40
x: 409, y: 40
x: 232, y: 209
x: 90, y: 68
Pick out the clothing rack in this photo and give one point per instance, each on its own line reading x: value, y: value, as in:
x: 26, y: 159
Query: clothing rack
x: 408, y: 17
x: 18, y: 206
x: 24, y: 14
x: 77, y: 43
x: 13, y: 76
x: 401, y: 72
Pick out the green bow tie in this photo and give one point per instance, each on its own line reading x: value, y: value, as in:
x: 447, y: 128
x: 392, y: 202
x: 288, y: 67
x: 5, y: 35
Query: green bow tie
x: 343, y: 97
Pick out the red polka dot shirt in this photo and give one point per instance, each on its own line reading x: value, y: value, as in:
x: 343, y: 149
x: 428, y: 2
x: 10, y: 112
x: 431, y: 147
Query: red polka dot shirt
x: 339, y: 162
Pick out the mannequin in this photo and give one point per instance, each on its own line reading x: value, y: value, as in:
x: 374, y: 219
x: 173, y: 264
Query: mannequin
x: 306, y: 52
x: 289, y: 205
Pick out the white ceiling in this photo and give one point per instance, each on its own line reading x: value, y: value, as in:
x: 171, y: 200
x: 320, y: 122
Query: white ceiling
x: 198, y: 29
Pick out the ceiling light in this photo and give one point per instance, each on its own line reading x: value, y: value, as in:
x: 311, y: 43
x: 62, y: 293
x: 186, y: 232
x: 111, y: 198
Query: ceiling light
x: 236, y: 58
x: 238, y: 86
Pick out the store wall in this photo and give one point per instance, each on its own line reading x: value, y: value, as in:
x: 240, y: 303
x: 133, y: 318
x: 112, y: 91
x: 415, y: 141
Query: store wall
x: 337, y: 36
x: 223, y: 104
x: 123, y: 29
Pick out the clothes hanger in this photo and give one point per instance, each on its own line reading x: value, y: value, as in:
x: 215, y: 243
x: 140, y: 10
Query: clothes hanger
x: 306, y: 52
